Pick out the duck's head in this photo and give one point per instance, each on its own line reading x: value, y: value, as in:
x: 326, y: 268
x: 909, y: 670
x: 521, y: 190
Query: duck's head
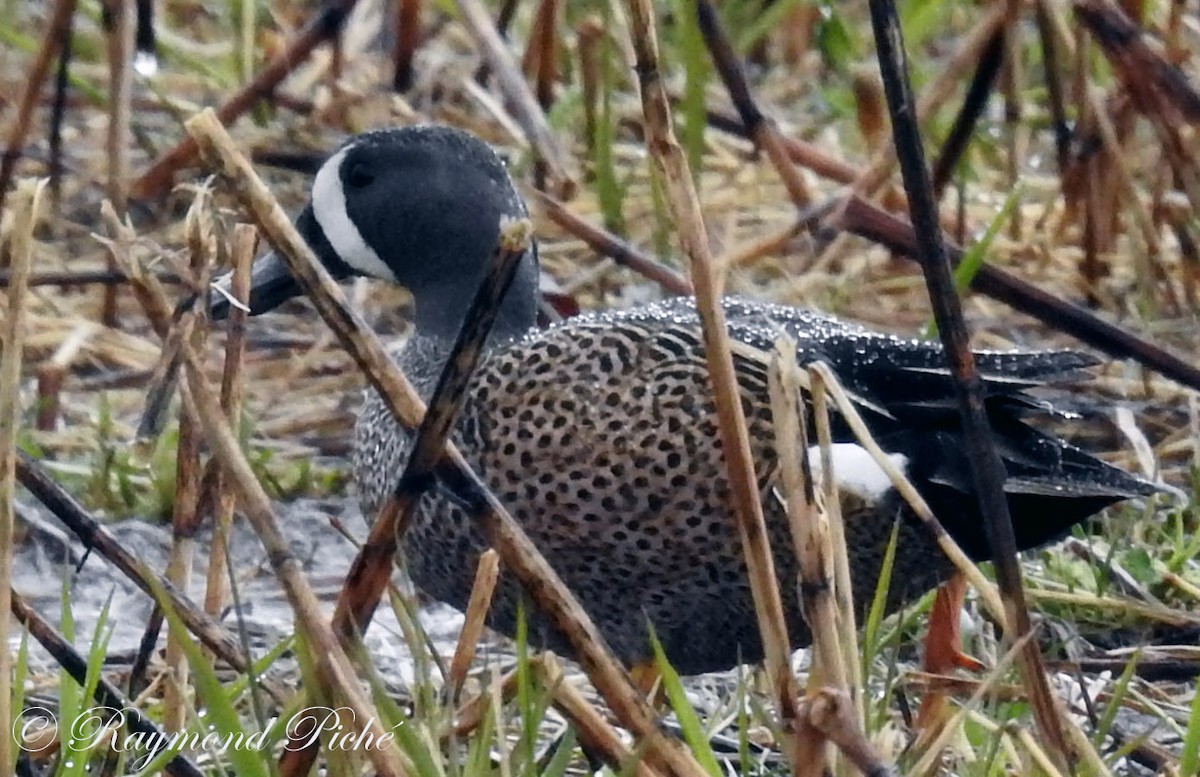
x: 415, y: 206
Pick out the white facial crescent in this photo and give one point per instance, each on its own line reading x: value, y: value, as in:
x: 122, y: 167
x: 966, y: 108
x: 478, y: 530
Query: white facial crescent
x: 329, y: 210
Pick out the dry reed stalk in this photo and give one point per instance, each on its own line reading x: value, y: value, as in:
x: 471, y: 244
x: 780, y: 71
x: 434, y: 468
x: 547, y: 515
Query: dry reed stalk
x: 105, y: 693
x: 470, y: 715
x: 809, y: 531
x: 932, y: 741
x: 1051, y: 34
x: 1148, y: 264
x: 1153, y: 81
x: 334, y: 672
x: 768, y: 244
x: 521, y: 102
x: 358, y: 598
x: 798, y: 30
x: 870, y: 111
x: 325, y: 22
x: 408, y: 37
x: 538, y: 64
x: 97, y: 539
x: 16, y: 245
x: 482, y: 590
x: 593, y: 730
x: 588, y: 35
x: 120, y: 91
x: 517, y: 552
x: 1016, y: 134
x: 120, y: 245
x: 52, y: 373
x: 975, y: 102
x: 56, y: 29
x: 843, y: 590
x: 182, y: 552
x: 1095, y: 241
x: 831, y: 714
x: 185, y: 517
x: 245, y: 241
x: 1041, y: 758
x: 760, y: 127
x: 160, y: 389
x: 681, y: 194
x: 607, y: 244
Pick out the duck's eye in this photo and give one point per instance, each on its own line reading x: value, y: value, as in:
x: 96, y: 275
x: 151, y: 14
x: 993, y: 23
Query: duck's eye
x: 359, y: 176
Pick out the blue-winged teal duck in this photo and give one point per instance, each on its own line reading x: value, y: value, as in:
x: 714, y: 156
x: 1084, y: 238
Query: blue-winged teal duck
x: 599, y: 434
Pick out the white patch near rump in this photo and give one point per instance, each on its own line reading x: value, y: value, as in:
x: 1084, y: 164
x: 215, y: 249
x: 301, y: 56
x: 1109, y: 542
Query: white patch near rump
x: 329, y: 209
x: 856, y: 471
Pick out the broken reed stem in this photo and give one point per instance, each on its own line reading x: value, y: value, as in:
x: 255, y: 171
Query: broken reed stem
x: 809, y: 531
x: 120, y: 95
x: 56, y: 33
x: 185, y: 513
x: 52, y: 374
x: 516, y: 550
x: 974, y: 103
x: 681, y: 193
x: 482, y: 590
x: 470, y: 716
x: 182, y: 552
x: 16, y: 245
x: 105, y: 693
x: 120, y: 245
x: 987, y: 469
x: 371, y: 567
x: 245, y: 241
x: 830, y: 713
x: 539, y: 63
x: 843, y: 590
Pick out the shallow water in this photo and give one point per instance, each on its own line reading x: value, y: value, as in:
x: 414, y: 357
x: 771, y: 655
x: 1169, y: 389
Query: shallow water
x: 48, y: 555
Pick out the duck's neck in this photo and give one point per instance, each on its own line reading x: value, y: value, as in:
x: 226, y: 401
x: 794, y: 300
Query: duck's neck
x: 441, y: 312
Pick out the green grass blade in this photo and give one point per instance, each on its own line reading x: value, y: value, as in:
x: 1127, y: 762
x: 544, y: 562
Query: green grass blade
x: 694, y: 55
x: 870, y: 642
x: 693, y: 732
x: 220, y: 713
x: 1189, y: 758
